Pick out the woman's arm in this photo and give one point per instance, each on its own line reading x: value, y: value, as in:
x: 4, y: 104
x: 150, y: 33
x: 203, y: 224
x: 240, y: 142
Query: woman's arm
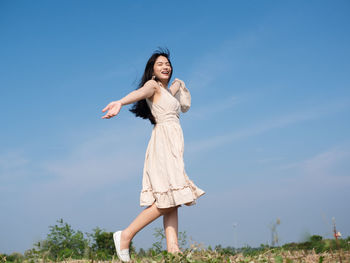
x: 175, y: 86
x: 183, y: 95
x: 145, y: 91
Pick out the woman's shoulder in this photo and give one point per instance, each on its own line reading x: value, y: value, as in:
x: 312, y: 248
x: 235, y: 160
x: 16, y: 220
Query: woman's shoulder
x: 151, y: 83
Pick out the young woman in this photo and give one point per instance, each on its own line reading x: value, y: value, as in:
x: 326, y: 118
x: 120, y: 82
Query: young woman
x: 165, y: 184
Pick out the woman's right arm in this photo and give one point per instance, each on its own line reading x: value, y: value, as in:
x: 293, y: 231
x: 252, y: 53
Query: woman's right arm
x: 146, y: 91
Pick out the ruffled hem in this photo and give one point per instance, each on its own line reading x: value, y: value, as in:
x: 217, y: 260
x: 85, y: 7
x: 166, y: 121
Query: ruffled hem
x: 173, y: 197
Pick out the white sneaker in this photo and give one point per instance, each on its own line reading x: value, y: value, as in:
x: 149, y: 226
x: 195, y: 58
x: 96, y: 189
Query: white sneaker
x: 123, y: 255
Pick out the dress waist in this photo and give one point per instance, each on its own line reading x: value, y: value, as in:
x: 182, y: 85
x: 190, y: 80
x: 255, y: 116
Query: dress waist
x: 167, y: 118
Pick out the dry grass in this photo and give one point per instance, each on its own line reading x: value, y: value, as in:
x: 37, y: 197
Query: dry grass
x: 201, y: 256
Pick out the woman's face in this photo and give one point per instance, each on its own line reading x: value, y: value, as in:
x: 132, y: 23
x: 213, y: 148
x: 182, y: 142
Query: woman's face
x: 162, y: 68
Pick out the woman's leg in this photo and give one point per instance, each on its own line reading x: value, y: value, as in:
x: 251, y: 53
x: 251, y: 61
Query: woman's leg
x: 170, y: 222
x: 143, y: 219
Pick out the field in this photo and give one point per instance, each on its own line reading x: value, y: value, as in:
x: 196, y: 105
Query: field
x: 198, y: 256
x: 64, y: 244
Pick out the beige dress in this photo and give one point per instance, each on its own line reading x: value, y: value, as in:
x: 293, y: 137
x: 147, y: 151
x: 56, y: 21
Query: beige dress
x: 165, y: 181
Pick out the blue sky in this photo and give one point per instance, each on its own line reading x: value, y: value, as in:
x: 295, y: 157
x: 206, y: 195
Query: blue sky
x: 267, y: 136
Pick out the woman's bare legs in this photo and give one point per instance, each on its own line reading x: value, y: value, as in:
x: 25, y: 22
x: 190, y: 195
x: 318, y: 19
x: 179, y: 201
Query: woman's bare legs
x: 170, y: 222
x: 143, y: 219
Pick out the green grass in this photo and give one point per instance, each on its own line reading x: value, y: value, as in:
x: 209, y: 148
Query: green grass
x: 195, y: 255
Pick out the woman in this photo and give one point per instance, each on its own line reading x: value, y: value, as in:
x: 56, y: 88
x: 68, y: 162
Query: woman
x: 165, y: 184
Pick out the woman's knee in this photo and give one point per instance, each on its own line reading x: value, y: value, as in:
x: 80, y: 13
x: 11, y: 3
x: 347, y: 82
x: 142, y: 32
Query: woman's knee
x: 164, y: 211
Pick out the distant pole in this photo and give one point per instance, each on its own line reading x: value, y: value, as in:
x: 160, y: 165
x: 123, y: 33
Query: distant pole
x: 235, y: 224
x: 336, y: 235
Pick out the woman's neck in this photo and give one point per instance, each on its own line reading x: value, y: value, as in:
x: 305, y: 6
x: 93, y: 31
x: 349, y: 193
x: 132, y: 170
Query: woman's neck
x: 164, y: 83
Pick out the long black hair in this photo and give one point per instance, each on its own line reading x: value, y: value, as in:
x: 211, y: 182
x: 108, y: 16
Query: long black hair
x: 140, y: 108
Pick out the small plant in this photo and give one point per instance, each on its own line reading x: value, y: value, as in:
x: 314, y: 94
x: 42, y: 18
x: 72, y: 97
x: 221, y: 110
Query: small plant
x: 158, y: 246
x: 274, y: 235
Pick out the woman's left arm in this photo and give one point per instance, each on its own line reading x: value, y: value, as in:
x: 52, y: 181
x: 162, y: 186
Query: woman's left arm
x: 175, y: 86
x: 182, y: 94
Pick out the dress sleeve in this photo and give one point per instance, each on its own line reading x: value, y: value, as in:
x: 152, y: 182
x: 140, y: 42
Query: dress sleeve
x: 183, y: 95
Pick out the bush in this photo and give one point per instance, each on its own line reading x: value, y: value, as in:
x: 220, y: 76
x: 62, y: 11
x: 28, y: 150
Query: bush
x: 102, y: 244
x: 319, y: 244
x: 14, y: 257
x: 63, y: 242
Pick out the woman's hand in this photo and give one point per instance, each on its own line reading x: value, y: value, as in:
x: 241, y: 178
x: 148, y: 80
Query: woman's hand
x: 113, y: 109
x: 175, y: 86
x: 176, y: 80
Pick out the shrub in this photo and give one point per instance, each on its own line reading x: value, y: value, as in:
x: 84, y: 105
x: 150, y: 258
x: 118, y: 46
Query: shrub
x: 63, y: 242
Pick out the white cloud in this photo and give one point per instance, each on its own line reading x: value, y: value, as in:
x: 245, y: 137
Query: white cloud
x: 267, y: 125
x: 323, y: 164
x: 214, y: 107
x: 12, y: 161
x: 105, y: 157
x: 108, y: 157
x: 325, y: 168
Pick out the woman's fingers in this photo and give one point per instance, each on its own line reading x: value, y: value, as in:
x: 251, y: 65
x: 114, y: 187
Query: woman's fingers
x: 111, y: 113
x: 109, y: 106
x: 106, y: 108
x: 105, y: 116
x: 113, y: 109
